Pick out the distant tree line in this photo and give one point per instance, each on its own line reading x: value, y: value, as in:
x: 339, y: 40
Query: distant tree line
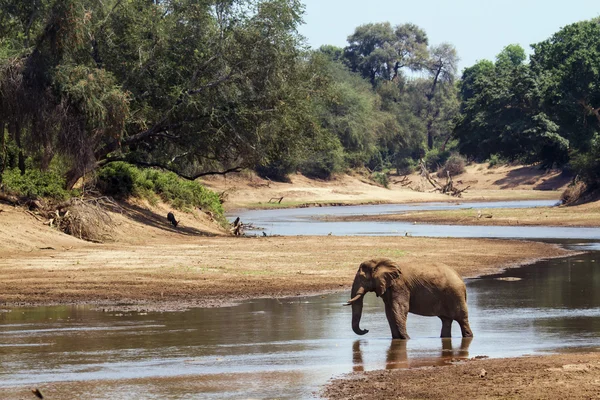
x: 215, y: 86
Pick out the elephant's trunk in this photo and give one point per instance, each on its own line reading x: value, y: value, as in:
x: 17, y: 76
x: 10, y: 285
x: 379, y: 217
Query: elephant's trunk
x: 357, y: 306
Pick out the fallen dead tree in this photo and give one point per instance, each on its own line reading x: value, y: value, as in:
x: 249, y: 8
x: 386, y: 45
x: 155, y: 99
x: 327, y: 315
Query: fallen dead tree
x: 85, y: 218
x: 405, y: 182
x: 446, y: 188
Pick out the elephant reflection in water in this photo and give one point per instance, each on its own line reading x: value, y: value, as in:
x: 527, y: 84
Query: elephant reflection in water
x: 397, y: 354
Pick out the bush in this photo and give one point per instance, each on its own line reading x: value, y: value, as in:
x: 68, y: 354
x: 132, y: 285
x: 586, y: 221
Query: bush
x: 323, y: 164
x: 382, y: 179
x: 36, y: 183
x: 376, y: 162
x: 405, y: 166
x: 117, y: 179
x: 276, y: 171
x: 495, y: 160
x: 455, y: 165
x: 434, y: 159
x: 122, y: 180
x: 587, y: 164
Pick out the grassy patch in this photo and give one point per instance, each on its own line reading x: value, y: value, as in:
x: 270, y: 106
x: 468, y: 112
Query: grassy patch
x: 123, y: 180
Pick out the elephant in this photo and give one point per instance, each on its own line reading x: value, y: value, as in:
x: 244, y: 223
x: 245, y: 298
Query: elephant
x: 429, y: 291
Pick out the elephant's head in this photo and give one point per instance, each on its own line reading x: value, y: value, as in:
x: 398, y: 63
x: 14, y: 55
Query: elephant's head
x: 373, y: 275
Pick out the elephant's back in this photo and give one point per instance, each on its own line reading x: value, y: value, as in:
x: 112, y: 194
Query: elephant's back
x: 438, y: 275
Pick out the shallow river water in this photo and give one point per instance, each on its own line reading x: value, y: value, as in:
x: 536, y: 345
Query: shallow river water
x: 310, y: 221
x: 289, y: 348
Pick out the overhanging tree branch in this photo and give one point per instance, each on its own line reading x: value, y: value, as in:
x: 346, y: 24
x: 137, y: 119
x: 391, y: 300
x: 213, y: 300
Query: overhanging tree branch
x: 166, y: 168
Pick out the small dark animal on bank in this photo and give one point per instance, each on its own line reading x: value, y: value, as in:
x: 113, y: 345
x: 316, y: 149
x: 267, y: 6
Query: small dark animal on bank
x: 171, y: 218
x: 37, y: 393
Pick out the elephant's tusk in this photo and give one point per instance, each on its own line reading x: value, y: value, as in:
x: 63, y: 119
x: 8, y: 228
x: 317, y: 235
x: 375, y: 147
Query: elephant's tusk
x: 358, y: 296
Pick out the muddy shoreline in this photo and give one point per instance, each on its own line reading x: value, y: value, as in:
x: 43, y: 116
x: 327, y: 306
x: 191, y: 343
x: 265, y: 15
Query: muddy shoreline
x: 558, y: 376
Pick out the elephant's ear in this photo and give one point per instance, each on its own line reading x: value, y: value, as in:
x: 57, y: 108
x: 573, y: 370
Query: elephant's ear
x: 384, y: 275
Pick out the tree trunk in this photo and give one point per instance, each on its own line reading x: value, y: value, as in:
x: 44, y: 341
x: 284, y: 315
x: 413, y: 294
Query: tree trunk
x: 429, y: 133
x: 72, y: 177
x: 2, y: 150
x: 16, y: 134
x: 446, y: 142
x: 47, y: 156
x: 430, y: 108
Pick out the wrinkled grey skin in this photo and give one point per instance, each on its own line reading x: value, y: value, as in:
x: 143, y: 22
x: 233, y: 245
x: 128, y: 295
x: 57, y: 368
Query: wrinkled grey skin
x: 430, y: 291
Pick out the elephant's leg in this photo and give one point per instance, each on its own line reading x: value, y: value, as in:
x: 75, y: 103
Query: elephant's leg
x: 396, y: 312
x: 446, y: 327
x: 465, y: 328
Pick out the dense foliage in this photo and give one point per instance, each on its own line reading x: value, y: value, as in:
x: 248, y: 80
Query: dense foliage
x: 547, y: 111
x: 203, y: 87
x: 214, y: 86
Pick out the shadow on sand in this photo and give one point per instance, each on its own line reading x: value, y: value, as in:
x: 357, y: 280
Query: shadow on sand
x: 150, y: 218
x: 531, y: 176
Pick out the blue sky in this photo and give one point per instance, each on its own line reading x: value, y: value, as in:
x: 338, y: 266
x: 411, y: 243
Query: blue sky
x: 479, y: 29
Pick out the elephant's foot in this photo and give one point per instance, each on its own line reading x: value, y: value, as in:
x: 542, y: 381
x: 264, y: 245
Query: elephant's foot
x: 465, y: 328
x: 403, y: 336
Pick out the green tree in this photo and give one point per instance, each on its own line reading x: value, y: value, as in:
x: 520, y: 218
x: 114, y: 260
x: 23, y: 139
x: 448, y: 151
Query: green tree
x: 501, y: 114
x: 570, y: 79
x: 402, y: 132
x: 349, y: 112
x: 193, y: 87
x: 442, y: 68
x: 379, y: 52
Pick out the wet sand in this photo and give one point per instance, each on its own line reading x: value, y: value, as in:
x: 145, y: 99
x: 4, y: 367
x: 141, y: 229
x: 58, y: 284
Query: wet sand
x: 562, y: 376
